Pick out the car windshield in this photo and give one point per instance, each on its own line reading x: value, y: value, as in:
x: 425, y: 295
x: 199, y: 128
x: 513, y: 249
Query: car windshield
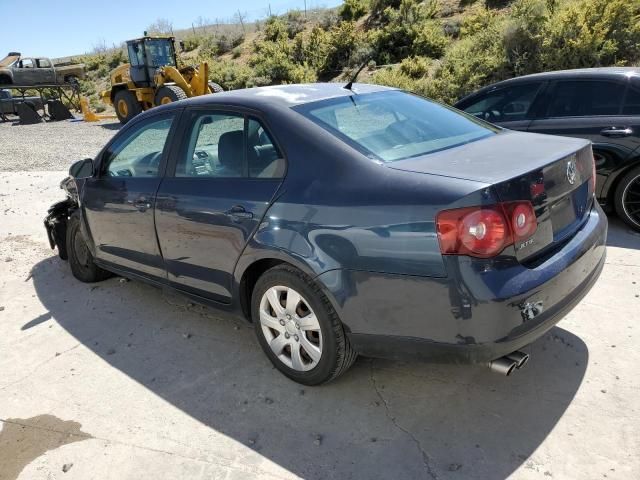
x: 394, y: 125
x: 160, y: 52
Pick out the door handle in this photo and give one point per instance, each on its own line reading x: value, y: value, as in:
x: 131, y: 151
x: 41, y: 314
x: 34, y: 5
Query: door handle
x: 141, y: 203
x: 238, y: 213
x: 617, y: 132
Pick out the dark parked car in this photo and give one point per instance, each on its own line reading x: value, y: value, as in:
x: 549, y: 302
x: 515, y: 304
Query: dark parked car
x: 342, y: 221
x: 598, y: 104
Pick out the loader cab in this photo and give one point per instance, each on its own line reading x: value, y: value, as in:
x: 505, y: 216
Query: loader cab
x: 146, y: 55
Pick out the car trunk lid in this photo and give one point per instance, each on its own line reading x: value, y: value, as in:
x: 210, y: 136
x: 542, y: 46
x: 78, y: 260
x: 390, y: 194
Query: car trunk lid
x: 553, y: 173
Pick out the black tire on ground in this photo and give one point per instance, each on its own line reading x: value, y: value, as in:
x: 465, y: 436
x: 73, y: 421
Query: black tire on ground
x: 80, y: 257
x: 627, y: 199
x: 337, y: 353
x: 168, y: 94
x: 72, y: 80
x: 5, y: 80
x: 126, y: 105
x: 215, y: 88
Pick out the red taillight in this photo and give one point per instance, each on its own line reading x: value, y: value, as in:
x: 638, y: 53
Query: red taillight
x: 484, y: 231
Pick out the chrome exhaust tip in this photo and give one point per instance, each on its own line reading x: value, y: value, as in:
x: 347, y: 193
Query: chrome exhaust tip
x: 520, y: 358
x: 503, y: 365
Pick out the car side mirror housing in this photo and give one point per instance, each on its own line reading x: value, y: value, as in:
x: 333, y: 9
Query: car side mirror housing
x: 82, y: 168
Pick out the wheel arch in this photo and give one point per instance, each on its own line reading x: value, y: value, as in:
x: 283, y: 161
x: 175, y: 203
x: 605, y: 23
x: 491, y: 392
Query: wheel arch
x: 252, y: 266
x: 609, y: 189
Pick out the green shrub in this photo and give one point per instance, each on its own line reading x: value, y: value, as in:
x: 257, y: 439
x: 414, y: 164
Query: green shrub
x: 590, y: 33
x: 415, y: 67
x: 352, y: 9
x: 230, y: 75
x: 191, y: 42
x: 430, y: 40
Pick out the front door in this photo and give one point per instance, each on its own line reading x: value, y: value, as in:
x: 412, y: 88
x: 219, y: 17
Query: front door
x: 592, y: 109
x: 225, y: 176
x: 24, y: 72
x: 119, y: 202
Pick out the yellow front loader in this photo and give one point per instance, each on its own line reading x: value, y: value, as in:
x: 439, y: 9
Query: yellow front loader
x: 152, y: 78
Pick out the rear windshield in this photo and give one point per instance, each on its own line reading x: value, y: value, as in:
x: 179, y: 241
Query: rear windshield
x: 395, y: 125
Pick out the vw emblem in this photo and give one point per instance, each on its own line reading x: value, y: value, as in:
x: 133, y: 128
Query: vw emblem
x: 572, y: 170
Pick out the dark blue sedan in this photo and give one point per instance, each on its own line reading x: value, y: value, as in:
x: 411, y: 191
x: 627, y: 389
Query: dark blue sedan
x: 343, y: 221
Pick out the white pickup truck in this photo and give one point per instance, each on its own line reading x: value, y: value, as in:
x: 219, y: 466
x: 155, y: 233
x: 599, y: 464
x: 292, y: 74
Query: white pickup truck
x: 16, y: 70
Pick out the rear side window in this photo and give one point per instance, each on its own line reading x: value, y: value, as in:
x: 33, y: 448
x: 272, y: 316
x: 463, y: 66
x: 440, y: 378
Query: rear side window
x: 632, y: 102
x: 585, y: 98
x: 393, y: 125
x: 228, y: 145
x: 505, y: 104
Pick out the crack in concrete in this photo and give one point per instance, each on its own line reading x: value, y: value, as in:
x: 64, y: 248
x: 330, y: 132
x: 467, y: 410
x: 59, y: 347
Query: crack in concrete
x: 425, y: 456
x: 38, y: 366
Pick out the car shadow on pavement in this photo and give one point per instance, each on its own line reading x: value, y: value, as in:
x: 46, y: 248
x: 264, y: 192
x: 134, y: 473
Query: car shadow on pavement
x: 621, y: 235
x: 382, y: 419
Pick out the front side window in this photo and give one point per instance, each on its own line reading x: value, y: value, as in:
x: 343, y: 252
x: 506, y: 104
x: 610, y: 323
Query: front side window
x: 585, y: 98
x: 393, y: 125
x: 138, y: 153
x: 26, y: 63
x: 505, y: 104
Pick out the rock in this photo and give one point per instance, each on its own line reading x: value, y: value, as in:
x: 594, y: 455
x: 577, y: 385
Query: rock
x: 318, y: 440
x: 123, y: 280
x: 186, y: 335
x: 66, y: 467
x: 454, y: 467
x: 1, y: 309
x: 268, y: 400
x: 111, y: 351
x: 252, y: 441
x: 301, y: 392
x: 8, y: 259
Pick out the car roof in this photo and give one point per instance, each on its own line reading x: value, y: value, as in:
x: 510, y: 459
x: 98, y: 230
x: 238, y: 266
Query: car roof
x: 603, y: 72
x: 282, y: 95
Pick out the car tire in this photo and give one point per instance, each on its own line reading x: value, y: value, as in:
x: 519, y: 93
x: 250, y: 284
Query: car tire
x: 169, y: 94
x: 304, y: 339
x: 627, y: 199
x: 81, y: 260
x: 126, y: 105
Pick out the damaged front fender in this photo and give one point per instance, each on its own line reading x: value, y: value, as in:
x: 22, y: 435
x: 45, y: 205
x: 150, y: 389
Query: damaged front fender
x: 56, y: 225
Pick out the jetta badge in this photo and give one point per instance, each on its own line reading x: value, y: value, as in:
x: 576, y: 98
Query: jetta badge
x: 572, y: 170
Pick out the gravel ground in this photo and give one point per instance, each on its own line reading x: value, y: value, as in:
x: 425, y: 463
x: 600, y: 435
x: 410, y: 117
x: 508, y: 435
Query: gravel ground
x: 51, y: 146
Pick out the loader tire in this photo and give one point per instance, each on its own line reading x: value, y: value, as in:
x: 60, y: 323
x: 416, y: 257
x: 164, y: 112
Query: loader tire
x: 168, y: 94
x: 126, y: 105
x: 215, y: 88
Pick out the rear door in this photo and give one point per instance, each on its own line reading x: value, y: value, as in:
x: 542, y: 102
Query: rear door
x: 119, y: 201
x: 592, y: 108
x: 218, y: 187
x: 510, y: 106
x: 45, y: 71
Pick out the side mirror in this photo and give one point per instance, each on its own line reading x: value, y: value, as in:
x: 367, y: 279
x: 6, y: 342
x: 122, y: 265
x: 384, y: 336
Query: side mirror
x: 82, y: 168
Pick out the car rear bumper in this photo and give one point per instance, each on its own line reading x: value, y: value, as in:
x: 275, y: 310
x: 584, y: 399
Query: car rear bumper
x: 481, y: 311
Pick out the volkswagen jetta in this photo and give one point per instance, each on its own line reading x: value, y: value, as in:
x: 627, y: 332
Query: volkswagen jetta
x: 343, y: 221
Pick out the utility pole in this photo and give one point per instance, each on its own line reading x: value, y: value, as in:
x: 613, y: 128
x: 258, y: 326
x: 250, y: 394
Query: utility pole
x: 305, y: 8
x: 241, y: 22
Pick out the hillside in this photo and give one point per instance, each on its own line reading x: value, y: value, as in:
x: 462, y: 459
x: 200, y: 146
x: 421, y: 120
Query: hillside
x: 439, y: 48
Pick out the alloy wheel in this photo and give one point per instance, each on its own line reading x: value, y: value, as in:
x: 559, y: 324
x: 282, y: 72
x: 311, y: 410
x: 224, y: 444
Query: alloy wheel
x: 291, y: 328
